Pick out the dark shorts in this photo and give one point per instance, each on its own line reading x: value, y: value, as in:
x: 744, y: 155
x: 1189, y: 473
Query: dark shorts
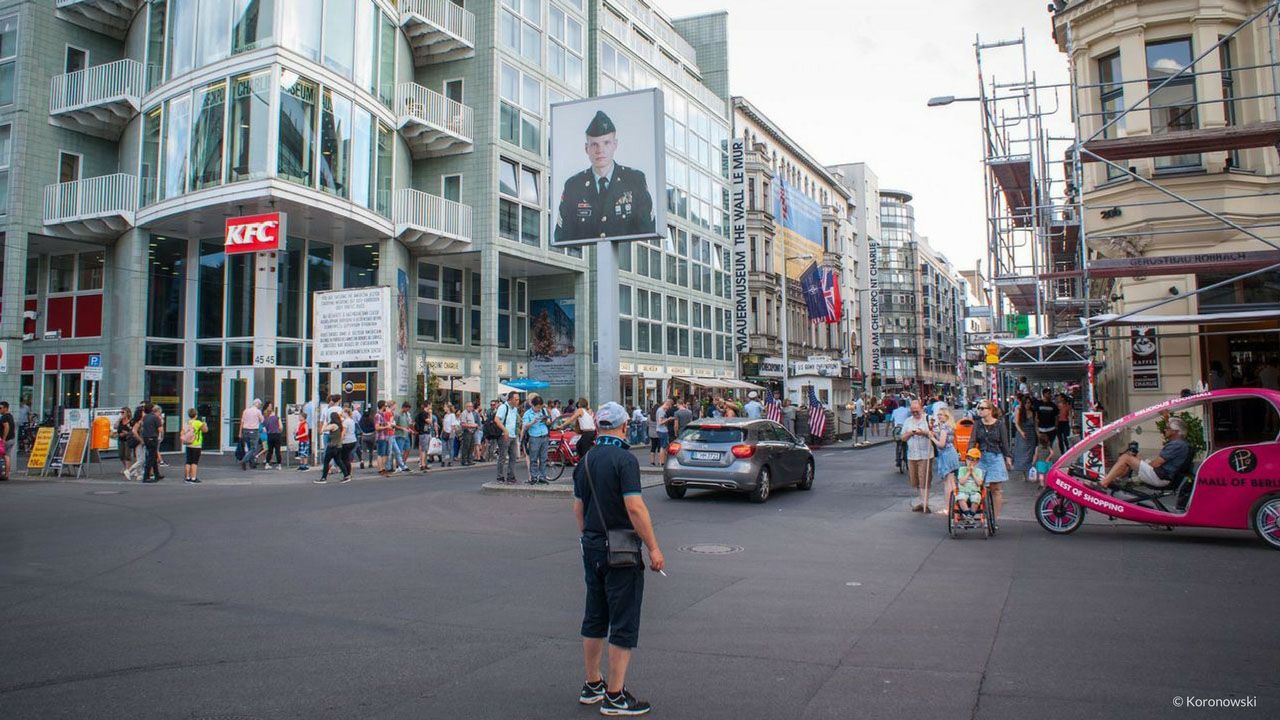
x: 193, y: 455
x: 655, y: 444
x: 613, y: 600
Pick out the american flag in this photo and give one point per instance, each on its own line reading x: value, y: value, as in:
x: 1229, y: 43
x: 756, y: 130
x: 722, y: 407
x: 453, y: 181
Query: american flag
x: 772, y: 409
x: 817, y: 415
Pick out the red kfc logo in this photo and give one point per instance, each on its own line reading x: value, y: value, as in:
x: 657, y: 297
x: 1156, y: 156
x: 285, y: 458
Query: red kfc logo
x: 254, y: 233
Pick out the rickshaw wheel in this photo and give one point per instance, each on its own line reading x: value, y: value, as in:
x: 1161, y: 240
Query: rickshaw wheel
x: 1057, y: 514
x: 1265, y: 519
x: 989, y: 516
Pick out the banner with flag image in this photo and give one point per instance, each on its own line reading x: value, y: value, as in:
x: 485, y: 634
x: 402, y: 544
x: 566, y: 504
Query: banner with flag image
x: 832, y: 305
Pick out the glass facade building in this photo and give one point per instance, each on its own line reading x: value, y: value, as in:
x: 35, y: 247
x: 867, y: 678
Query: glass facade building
x: 899, y: 304
x: 407, y: 144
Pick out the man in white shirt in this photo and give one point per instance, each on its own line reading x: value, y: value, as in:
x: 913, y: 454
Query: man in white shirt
x: 250, y: 425
x: 859, y: 420
x: 753, y: 408
x: 915, y: 433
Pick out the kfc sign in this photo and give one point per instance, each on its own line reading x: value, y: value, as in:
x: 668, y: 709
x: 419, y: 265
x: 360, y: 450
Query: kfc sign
x: 255, y: 233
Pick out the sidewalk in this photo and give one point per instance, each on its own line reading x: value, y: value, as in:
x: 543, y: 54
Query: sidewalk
x: 869, y: 442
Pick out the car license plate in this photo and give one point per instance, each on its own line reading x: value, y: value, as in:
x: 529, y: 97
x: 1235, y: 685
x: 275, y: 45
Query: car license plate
x: 706, y: 456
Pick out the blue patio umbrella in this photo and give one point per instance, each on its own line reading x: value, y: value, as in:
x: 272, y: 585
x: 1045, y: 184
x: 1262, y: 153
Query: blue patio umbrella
x: 527, y: 384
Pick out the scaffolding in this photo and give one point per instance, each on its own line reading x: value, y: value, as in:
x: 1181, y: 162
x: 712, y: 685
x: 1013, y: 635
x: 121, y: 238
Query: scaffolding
x: 1034, y: 226
x: 1043, y: 261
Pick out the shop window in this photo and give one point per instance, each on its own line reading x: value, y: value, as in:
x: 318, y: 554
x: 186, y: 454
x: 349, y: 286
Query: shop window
x: 167, y: 272
x: 319, y: 273
x: 289, y: 294
x: 360, y: 266
x: 240, y: 292
x: 209, y: 297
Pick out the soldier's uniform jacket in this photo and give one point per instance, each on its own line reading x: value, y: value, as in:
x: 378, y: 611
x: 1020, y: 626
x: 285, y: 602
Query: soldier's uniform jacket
x: 625, y: 208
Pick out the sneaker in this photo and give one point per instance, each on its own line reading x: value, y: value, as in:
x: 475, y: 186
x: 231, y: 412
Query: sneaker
x: 623, y: 705
x: 152, y: 480
x: 345, y: 479
x: 320, y: 481
x: 592, y: 693
x: 190, y: 481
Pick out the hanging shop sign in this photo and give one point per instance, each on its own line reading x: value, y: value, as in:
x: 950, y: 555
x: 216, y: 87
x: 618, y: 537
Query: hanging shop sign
x: 1144, y: 357
x: 255, y: 233
x: 770, y: 367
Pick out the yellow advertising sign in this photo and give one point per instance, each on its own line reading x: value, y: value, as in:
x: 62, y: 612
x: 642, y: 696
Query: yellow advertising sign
x: 39, y: 456
x: 76, y: 446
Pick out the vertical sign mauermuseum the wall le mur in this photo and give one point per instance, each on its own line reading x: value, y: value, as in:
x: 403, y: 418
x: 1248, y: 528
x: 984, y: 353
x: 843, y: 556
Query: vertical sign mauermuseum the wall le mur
x: 738, y: 232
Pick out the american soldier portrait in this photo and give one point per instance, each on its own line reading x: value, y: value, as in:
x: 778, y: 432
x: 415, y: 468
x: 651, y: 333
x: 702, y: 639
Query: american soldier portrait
x: 606, y: 199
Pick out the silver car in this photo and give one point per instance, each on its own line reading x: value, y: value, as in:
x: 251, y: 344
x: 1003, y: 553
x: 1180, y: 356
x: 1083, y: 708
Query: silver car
x: 739, y: 454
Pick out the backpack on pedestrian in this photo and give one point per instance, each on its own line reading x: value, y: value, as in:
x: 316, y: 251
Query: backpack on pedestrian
x: 491, y: 429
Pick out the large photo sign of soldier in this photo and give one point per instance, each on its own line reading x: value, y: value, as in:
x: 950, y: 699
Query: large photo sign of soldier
x: 607, y: 168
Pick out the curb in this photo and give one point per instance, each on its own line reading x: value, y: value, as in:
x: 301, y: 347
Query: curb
x: 557, y: 489
x: 868, y: 446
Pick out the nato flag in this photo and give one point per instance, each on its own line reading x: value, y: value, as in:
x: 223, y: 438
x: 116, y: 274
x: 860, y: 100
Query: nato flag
x: 811, y: 286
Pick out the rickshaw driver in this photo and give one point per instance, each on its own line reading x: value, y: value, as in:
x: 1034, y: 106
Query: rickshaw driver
x: 1159, y: 472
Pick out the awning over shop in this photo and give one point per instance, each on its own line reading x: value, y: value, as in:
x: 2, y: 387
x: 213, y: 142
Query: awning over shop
x: 1246, y: 316
x: 472, y: 385
x: 701, y: 382
x: 741, y: 384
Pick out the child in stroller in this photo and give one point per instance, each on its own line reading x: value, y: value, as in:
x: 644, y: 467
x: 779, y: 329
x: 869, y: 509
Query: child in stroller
x: 969, y: 485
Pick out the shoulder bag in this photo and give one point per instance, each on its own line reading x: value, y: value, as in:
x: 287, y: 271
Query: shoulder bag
x: 622, y: 547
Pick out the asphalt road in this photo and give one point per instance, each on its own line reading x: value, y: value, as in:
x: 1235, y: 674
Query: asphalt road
x: 420, y: 597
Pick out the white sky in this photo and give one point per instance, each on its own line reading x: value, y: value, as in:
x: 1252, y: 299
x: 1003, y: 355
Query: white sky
x: 849, y: 79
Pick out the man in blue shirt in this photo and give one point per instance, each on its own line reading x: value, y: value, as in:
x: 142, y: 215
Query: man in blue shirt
x: 535, y: 422
x: 753, y: 408
x: 606, y: 492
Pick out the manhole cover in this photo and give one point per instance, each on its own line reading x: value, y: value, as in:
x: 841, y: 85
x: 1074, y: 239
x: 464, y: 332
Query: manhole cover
x: 711, y: 549
x: 106, y: 492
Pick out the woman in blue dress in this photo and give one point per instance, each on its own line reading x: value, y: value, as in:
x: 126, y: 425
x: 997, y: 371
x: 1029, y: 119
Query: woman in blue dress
x: 992, y: 437
x: 948, y: 460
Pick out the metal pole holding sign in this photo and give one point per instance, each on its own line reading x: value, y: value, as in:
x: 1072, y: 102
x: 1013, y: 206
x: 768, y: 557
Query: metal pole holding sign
x: 606, y: 322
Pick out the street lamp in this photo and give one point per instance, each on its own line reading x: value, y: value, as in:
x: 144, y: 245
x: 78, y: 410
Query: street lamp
x: 941, y: 100
x: 786, y: 351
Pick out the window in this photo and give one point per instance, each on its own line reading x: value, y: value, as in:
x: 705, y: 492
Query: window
x: 6, y: 147
x: 335, y: 144
x: 616, y: 66
x: 519, y: 204
x: 1173, y: 107
x: 1229, y: 111
x: 451, y: 187
x: 364, y: 140
x: 428, y: 302
x: 300, y: 28
x: 297, y: 127
x: 89, y: 271
x: 182, y: 35
x: 475, y: 309
x: 519, y: 28
x: 519, y: 117
x: 177, y: 134
x: 360, y: 265
x: 385, y: 166
x: 251, y: 24
x: 387, y: 61
x: 1111, y: 96
x: 167, y: 287
x: 624, y: 322
x: 250, y: 120
x: 211, y: 284
x: 339, y: 46
x: 8, y: 57
x: 564, y: 52
x: 206, y: 136
x: 155, y: 42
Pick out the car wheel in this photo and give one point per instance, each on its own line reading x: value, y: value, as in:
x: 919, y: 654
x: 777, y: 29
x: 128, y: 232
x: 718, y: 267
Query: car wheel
x: 1057, y: 514
x: 806, y: 483
x: 764, y: 485
x: 675, y: 493
x: 1265, y: 519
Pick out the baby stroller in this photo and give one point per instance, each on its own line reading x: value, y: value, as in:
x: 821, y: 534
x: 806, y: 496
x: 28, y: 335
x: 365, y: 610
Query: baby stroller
x: 979, y: 516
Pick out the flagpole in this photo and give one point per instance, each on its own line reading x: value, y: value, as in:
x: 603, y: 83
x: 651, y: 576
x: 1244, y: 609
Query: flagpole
x: 786, y: 348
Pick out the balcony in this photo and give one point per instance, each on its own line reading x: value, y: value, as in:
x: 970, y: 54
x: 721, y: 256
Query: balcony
x: 109, y: 17
x: 432, y: 124
x: 438, y: 30
x: 99, y: 100
x: 429, y: 223
x: 100, y: 207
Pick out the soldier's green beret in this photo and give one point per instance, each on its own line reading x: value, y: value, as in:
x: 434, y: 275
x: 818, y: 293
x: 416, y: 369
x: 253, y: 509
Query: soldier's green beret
x: 600, y: 125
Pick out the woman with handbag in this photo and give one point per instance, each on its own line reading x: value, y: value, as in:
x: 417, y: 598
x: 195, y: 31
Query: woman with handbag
x: 125, y: 439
